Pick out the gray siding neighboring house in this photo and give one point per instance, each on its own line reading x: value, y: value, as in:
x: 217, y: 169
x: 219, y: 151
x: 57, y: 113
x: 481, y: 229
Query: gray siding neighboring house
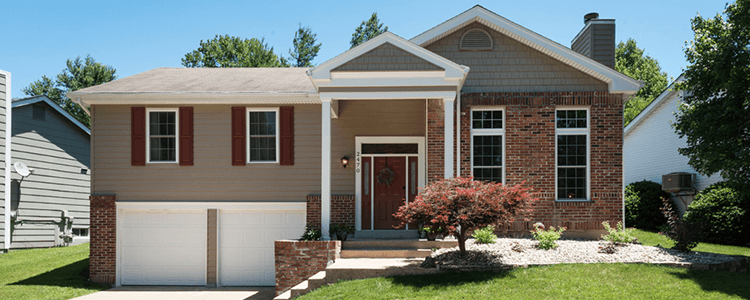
x: 56, y: 146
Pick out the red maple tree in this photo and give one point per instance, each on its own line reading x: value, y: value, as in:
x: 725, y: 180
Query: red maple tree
x: 459, y: 205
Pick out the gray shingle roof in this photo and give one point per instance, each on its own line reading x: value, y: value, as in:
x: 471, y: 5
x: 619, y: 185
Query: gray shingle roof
x: 209, y: 80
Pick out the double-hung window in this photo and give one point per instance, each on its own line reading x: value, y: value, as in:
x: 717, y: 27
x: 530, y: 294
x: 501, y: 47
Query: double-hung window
x: 263, y: 135
x: 572, y: 135
x: 487, y: 144
x: 162, y: 135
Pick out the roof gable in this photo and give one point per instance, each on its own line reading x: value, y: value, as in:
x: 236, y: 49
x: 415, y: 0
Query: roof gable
x: 452, y: 70
x: 38, y: 99
x: 646, y: 112
x: 388, y: 57
x: 617, y: 82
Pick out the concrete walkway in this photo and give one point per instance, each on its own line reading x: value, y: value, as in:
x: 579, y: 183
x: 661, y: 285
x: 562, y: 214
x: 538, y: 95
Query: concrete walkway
x: 182, y: 293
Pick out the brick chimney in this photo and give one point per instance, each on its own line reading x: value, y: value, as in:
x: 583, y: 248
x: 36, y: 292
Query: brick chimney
x: 596, y: 40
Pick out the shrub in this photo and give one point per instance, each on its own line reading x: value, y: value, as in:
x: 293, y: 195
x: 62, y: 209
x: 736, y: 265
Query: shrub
x: 341, y: 231
x: 459, y: 205
x: 547, y: 239
x: 642, y: 205
x: 311, y: 234
x: 619, y: 235
x: 724, y: 212
x: 684, y: 234
x: 485, y: 235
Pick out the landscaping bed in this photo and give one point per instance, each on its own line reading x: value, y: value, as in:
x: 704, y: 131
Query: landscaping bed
x: 508, y: 253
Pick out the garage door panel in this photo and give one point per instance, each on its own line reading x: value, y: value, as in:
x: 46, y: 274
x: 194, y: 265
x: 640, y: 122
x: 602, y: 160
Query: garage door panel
x: 249, y: 260
x: 163, y: 247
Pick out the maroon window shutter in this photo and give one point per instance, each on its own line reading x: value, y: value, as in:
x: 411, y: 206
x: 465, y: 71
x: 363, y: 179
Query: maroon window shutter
x: 138, y: 136
x: 186, y: 136
x: 238, y: 136
x: 287, y: 135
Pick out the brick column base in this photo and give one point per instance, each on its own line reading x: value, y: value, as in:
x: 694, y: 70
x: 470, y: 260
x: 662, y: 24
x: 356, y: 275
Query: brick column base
x: 102, y: 255
x: 342, y: 210
x: 296, y: 261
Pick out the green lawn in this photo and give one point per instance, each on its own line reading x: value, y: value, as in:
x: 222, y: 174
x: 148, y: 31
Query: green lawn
x: 52, y: 273
x: 652, y: 239
x: 566, y: 281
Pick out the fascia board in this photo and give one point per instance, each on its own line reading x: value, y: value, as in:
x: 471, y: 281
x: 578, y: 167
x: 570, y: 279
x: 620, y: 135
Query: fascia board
x: 387, y: 95
x: 323, y: 71
x: 616, y: 81
x: 36, y: 99
x: 389, y: 82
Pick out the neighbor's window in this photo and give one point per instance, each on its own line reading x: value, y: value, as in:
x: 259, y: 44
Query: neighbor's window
x: 83, y: 232
x: 162, y: 135
x: 572, y: 133
x: 487, y: 145
x: 263, y: 129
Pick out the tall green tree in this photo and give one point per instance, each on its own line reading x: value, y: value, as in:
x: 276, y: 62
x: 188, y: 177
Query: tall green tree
x: 305, y: 49
x: 715, y: 115
x: 224, y: 51
x: 78, y: 74
x: 367, y: 30
x: 632, y: 61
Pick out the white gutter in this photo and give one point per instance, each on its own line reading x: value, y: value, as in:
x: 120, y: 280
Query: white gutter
x: 80, y: 103
x: 8, y: 135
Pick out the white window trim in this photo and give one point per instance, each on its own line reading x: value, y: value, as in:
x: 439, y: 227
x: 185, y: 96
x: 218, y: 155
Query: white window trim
x: 247, y: 134
x: 575, y: 131
x: 176, y: 135
x: 485, y: 131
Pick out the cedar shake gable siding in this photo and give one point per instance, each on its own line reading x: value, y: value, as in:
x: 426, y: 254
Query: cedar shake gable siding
x: 388, y: 57
x: 512, y: 66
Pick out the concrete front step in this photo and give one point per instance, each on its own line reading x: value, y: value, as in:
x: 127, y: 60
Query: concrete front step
x: 386, y: 253
x: 386, y: 234
x: 304, y: 287
x: 397, y: 244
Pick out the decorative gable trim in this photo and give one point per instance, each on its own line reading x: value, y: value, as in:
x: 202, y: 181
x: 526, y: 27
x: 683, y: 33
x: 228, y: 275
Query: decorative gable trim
x: 617, y: 82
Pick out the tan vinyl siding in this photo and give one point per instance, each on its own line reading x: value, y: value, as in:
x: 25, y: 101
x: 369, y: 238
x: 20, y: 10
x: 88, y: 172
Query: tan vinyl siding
x: 388, y: 57
x: 57, y: 150
x: 213, y: 178
x: 211, y: 259
x: 512, y: 67
x: 2, y: 160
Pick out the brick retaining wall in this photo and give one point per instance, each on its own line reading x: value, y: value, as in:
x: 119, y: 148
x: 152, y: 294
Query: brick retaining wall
x: 296, y: 261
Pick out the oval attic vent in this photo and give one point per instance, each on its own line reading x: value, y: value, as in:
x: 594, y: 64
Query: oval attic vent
x: 476, y: 39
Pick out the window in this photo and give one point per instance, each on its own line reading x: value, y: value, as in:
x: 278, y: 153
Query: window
x: 82, y: 232
x: 572, y: 135
x: 263, y: 139
x: 162, y: 135
x: 487, y: 140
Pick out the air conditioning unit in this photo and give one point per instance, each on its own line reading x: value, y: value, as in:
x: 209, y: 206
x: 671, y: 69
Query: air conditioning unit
x: 677, y: 181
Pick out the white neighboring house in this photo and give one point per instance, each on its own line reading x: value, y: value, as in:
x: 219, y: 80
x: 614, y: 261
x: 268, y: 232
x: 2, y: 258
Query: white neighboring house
x: 651, y: 143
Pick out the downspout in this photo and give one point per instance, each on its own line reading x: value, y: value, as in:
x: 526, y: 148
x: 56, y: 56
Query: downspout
x: 8, y: 135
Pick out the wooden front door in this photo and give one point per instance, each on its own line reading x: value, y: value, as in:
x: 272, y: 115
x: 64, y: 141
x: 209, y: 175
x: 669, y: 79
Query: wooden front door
x: 389, y: 182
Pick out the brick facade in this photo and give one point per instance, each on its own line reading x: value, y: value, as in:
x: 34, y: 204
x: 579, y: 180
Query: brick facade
x: 102, y: 255
x: 342, y: 210
x: 296, y: 261
x: 530, y: 154
x: 435, y: 139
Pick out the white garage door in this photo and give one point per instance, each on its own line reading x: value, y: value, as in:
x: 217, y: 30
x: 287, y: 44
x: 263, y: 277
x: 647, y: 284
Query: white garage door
x: 246, y: 256
x: 164, y: 247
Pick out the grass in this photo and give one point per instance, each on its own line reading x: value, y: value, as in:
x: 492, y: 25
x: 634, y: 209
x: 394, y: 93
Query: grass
x: 53, y: 273
x: 649, y: 238
x: 565, y: 281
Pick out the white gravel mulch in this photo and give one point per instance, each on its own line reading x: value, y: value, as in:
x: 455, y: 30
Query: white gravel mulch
x: 567, y: 251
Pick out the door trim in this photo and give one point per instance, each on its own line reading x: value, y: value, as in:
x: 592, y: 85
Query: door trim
x: 359, y: 140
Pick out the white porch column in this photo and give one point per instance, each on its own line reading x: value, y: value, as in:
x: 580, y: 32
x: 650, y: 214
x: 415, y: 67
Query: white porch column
x: 325, y: 168
x: 448, y: 136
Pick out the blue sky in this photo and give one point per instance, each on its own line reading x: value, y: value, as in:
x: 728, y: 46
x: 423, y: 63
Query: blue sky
x: 136, y: 36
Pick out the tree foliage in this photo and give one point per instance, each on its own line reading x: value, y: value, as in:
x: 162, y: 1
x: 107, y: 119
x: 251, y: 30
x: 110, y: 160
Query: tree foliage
x: 305, y: 49
x: 632, y: 61
x: 724, y: 212
x: 715, y: 115
x: 224, y: 51
x: 367, y: 30
x: 77, y: 75
x: 460, y: 205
